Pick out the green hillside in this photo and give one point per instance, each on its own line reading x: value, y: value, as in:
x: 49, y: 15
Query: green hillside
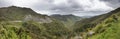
x: 66, y: 17
x: 109, y: 28
x: 24, y: 23
x: 67, y: 20
x: 104, y: 26
x: 14, y: 13
x: 93, y: 21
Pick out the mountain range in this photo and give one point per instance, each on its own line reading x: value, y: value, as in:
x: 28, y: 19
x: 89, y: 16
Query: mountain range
x: 24, y: 23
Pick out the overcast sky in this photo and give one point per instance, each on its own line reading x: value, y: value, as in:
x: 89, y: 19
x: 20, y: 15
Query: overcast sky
x: 76, y: 7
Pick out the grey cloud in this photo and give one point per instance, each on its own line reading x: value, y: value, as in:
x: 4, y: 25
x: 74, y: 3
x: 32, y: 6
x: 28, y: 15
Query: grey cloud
x: 2, y: 3
x: 63, y: 8
x: 73, y: 8
x: 113, y: 3
x: 60, y: 9
x: 70, y: 8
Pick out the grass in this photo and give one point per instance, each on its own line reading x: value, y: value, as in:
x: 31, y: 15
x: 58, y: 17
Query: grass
x: 111, y: 30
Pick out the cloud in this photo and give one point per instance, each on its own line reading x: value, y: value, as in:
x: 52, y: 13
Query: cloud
x: 4, y: 3
x: 112, y: 3
x: 77, y: 7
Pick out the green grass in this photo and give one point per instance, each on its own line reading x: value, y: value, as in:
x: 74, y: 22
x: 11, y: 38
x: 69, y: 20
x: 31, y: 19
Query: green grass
x: 109, y: 29
x: 112, y: 32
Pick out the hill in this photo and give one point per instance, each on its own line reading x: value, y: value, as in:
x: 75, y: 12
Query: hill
x: 104, y: 26
x: 14, y: 13
x: 66, y: 17
x: 24, y: 23
x: 67, y: 20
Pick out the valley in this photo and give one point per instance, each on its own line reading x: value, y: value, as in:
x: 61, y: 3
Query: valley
x: 24, y: 23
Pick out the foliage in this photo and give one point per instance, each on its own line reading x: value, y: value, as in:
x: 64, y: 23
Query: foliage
x: 8, y: 31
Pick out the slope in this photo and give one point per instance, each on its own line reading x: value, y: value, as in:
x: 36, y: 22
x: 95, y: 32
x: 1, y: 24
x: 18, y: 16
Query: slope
x: 104, y: 26
x: 14, y: 13
x: 109, y: 28
x: 67, y: 20
x: 92, y: 22
x: 24, y: 23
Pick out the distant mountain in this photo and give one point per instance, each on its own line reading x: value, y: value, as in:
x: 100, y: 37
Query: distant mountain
x: 86, y: 16
x: 104, y: 26
x: 66, y: 17
x: 68, y: 20
x: 14, y: 13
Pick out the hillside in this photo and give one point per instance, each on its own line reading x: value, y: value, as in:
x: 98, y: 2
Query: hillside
x: 68, y: 20
x: 14, y: 13
x: 104, y: 26
x: 66, y: 17
x: 24, y: 23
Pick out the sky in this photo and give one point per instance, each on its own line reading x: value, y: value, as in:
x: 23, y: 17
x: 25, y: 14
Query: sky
x: 76, y: 7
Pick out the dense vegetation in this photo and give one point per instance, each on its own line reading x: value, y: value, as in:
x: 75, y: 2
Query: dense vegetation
x: 24, y: 23
x: 68, y: 20
x: 109, y: 28
x: 10, y: 30
x: 32, y: 30
x: 104, y: 26
x: 53, y: 30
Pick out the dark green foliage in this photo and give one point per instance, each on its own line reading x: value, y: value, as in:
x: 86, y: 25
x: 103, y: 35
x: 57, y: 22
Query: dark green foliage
x: 56, y: 28
x: 9, y: 31
x: 46, y: 30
